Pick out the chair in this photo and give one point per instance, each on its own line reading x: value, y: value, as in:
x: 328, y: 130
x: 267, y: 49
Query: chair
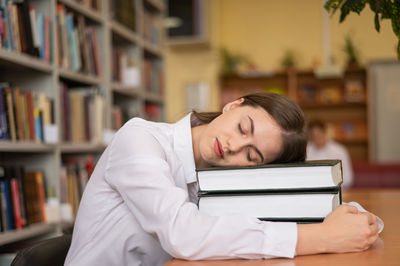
x: 49, y: 252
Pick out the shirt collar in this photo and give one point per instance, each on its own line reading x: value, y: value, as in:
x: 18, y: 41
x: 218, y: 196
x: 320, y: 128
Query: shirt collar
x: 183, y: 147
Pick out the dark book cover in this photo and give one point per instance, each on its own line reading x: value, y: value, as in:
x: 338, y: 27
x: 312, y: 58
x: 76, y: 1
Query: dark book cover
x: 23, y: 9
x: 9, y: 197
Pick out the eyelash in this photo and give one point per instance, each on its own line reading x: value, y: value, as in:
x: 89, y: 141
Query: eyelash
x: 248, y: 150
x: 240, y: 129
x: 248, y: 156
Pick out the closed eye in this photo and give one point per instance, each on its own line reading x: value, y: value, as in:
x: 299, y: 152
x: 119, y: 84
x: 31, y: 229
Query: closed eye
x: 240, y: 129
x: 250, y: 159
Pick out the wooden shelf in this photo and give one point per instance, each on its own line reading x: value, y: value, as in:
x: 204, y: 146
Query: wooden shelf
x: 90, y: 13
x: 124, y: 32
x: 79, y: 77
x: 156, y: 4
x: 333, y: 105
x: 125, y: 90
x: 152, y: 48
x: 16, y: 60
x: 10, y: 146
x: 81, y: 148
x: 153, y: 97
x: 31, y: 74
x: 353, y: 141
x: 27, y: 232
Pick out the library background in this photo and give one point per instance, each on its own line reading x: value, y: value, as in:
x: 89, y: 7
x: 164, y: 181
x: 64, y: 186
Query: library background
x: 73, y: 71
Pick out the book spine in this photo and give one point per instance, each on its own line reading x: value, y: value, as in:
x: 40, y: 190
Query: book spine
x: 8, y: 204
x: 18, y: 111
x: 40, y: 27
x: 4, y: 212
x: 17, y: 209
x: 46, y: 38
x: 34, y: 29
x: 3, y: 117
x: 30, y: 115
x: 11, y: 117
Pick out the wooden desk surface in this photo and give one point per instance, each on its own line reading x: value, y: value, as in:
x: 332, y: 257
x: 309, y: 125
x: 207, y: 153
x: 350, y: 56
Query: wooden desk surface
x: 385, y: 203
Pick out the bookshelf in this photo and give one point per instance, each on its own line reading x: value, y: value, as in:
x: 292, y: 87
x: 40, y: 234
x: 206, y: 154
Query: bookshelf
x: 339, y: 101
x: 96, y: 70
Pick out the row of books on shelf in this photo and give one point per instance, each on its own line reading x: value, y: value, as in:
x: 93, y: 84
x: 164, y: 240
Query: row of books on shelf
x: 83, y: 116
x: 352, y: 92
x: 119, y: 117
x: 24, y: 30
x: 153, y: 112
x: 74, y: 175
x: 24, y: 115
x: 153, y: 74
x: 26, y: 198
x: 22, y: 197
x: 124, y: 68
x: 151, y: 27
x: 297, y: 192
x: 124, y: 12
x: 78, y: 44
x: 348, y: 131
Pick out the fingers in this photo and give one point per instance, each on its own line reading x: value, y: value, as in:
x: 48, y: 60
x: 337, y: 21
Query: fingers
x: 348, y: 208
x: 374, y: 228
x: 373, y: 239
x: 371, y: 218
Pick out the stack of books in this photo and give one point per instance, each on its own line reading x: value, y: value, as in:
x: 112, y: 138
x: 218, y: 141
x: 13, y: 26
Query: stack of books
x: 299, y: 192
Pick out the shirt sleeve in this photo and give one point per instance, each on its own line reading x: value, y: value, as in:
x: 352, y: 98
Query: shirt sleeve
x: 347, y: 168
x: 137, y: 168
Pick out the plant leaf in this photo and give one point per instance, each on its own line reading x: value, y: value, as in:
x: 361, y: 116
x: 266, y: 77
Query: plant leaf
x: 351, y: 6
x: 332, y: 5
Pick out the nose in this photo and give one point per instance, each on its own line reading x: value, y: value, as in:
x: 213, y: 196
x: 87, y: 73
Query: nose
x: 237, y: 143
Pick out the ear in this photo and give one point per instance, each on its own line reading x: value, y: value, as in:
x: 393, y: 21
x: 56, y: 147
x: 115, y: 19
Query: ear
x: 232, y: 105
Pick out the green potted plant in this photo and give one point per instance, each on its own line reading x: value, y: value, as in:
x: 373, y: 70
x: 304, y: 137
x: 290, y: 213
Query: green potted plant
x: 383, y: 9
x: 351, y: 52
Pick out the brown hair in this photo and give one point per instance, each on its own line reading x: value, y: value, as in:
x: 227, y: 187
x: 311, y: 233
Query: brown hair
x: 317, y: 124
x: 286, y: 113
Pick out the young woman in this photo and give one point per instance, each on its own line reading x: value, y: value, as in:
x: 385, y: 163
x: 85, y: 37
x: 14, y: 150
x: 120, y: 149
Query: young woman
x: 139, y: 207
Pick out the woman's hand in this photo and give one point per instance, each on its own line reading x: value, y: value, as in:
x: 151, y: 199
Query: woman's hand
x: 344, y: 230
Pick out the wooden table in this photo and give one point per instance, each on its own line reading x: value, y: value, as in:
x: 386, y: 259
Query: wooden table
x: 385, y: 203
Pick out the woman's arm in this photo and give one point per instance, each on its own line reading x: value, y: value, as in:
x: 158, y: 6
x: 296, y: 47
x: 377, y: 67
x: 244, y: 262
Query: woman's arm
x: 344, y: 230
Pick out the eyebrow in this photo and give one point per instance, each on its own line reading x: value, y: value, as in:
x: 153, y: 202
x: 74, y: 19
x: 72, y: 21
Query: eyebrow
x: 252, y: 133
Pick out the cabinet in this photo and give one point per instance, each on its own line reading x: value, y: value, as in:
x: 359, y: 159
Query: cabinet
x: 95, y: 65
x: 339, y: 101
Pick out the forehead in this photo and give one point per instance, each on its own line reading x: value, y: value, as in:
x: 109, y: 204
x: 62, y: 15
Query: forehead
x: 267, y: 132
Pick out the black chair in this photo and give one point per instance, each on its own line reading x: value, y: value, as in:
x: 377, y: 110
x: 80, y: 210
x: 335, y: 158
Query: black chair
x: 49, y: 252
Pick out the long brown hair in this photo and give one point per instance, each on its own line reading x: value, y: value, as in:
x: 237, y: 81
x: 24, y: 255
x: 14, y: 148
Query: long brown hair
x: 286, y: 113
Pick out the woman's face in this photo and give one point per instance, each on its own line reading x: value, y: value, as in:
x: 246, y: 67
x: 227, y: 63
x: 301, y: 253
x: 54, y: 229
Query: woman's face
x: 241, y: 136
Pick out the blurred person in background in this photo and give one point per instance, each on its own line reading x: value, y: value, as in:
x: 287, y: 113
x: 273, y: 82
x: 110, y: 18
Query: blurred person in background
x: 321, y: 147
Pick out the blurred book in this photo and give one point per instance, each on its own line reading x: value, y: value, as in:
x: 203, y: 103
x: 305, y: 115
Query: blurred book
x: 354, y: 91
x: 308, y: 94
x: 331, y: 95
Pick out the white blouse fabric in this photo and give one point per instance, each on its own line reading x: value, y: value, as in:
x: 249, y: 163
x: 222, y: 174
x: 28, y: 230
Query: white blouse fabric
x: 139, y: 207
x: 333, y: 150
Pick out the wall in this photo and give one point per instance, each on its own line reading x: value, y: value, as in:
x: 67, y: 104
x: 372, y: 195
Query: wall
x: 262, y: 30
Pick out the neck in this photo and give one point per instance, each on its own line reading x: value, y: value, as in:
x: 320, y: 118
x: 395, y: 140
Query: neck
x: 196, y: 133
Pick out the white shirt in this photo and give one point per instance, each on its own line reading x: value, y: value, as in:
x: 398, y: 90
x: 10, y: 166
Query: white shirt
x: 333, y: 150
x: 139, y: 207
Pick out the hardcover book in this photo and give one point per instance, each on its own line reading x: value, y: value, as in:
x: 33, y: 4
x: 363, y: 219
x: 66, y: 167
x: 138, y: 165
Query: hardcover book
x: 289, y: 206
x: 309, y: 175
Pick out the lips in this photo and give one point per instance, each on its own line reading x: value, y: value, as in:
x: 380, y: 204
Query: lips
x: 218, y: 149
